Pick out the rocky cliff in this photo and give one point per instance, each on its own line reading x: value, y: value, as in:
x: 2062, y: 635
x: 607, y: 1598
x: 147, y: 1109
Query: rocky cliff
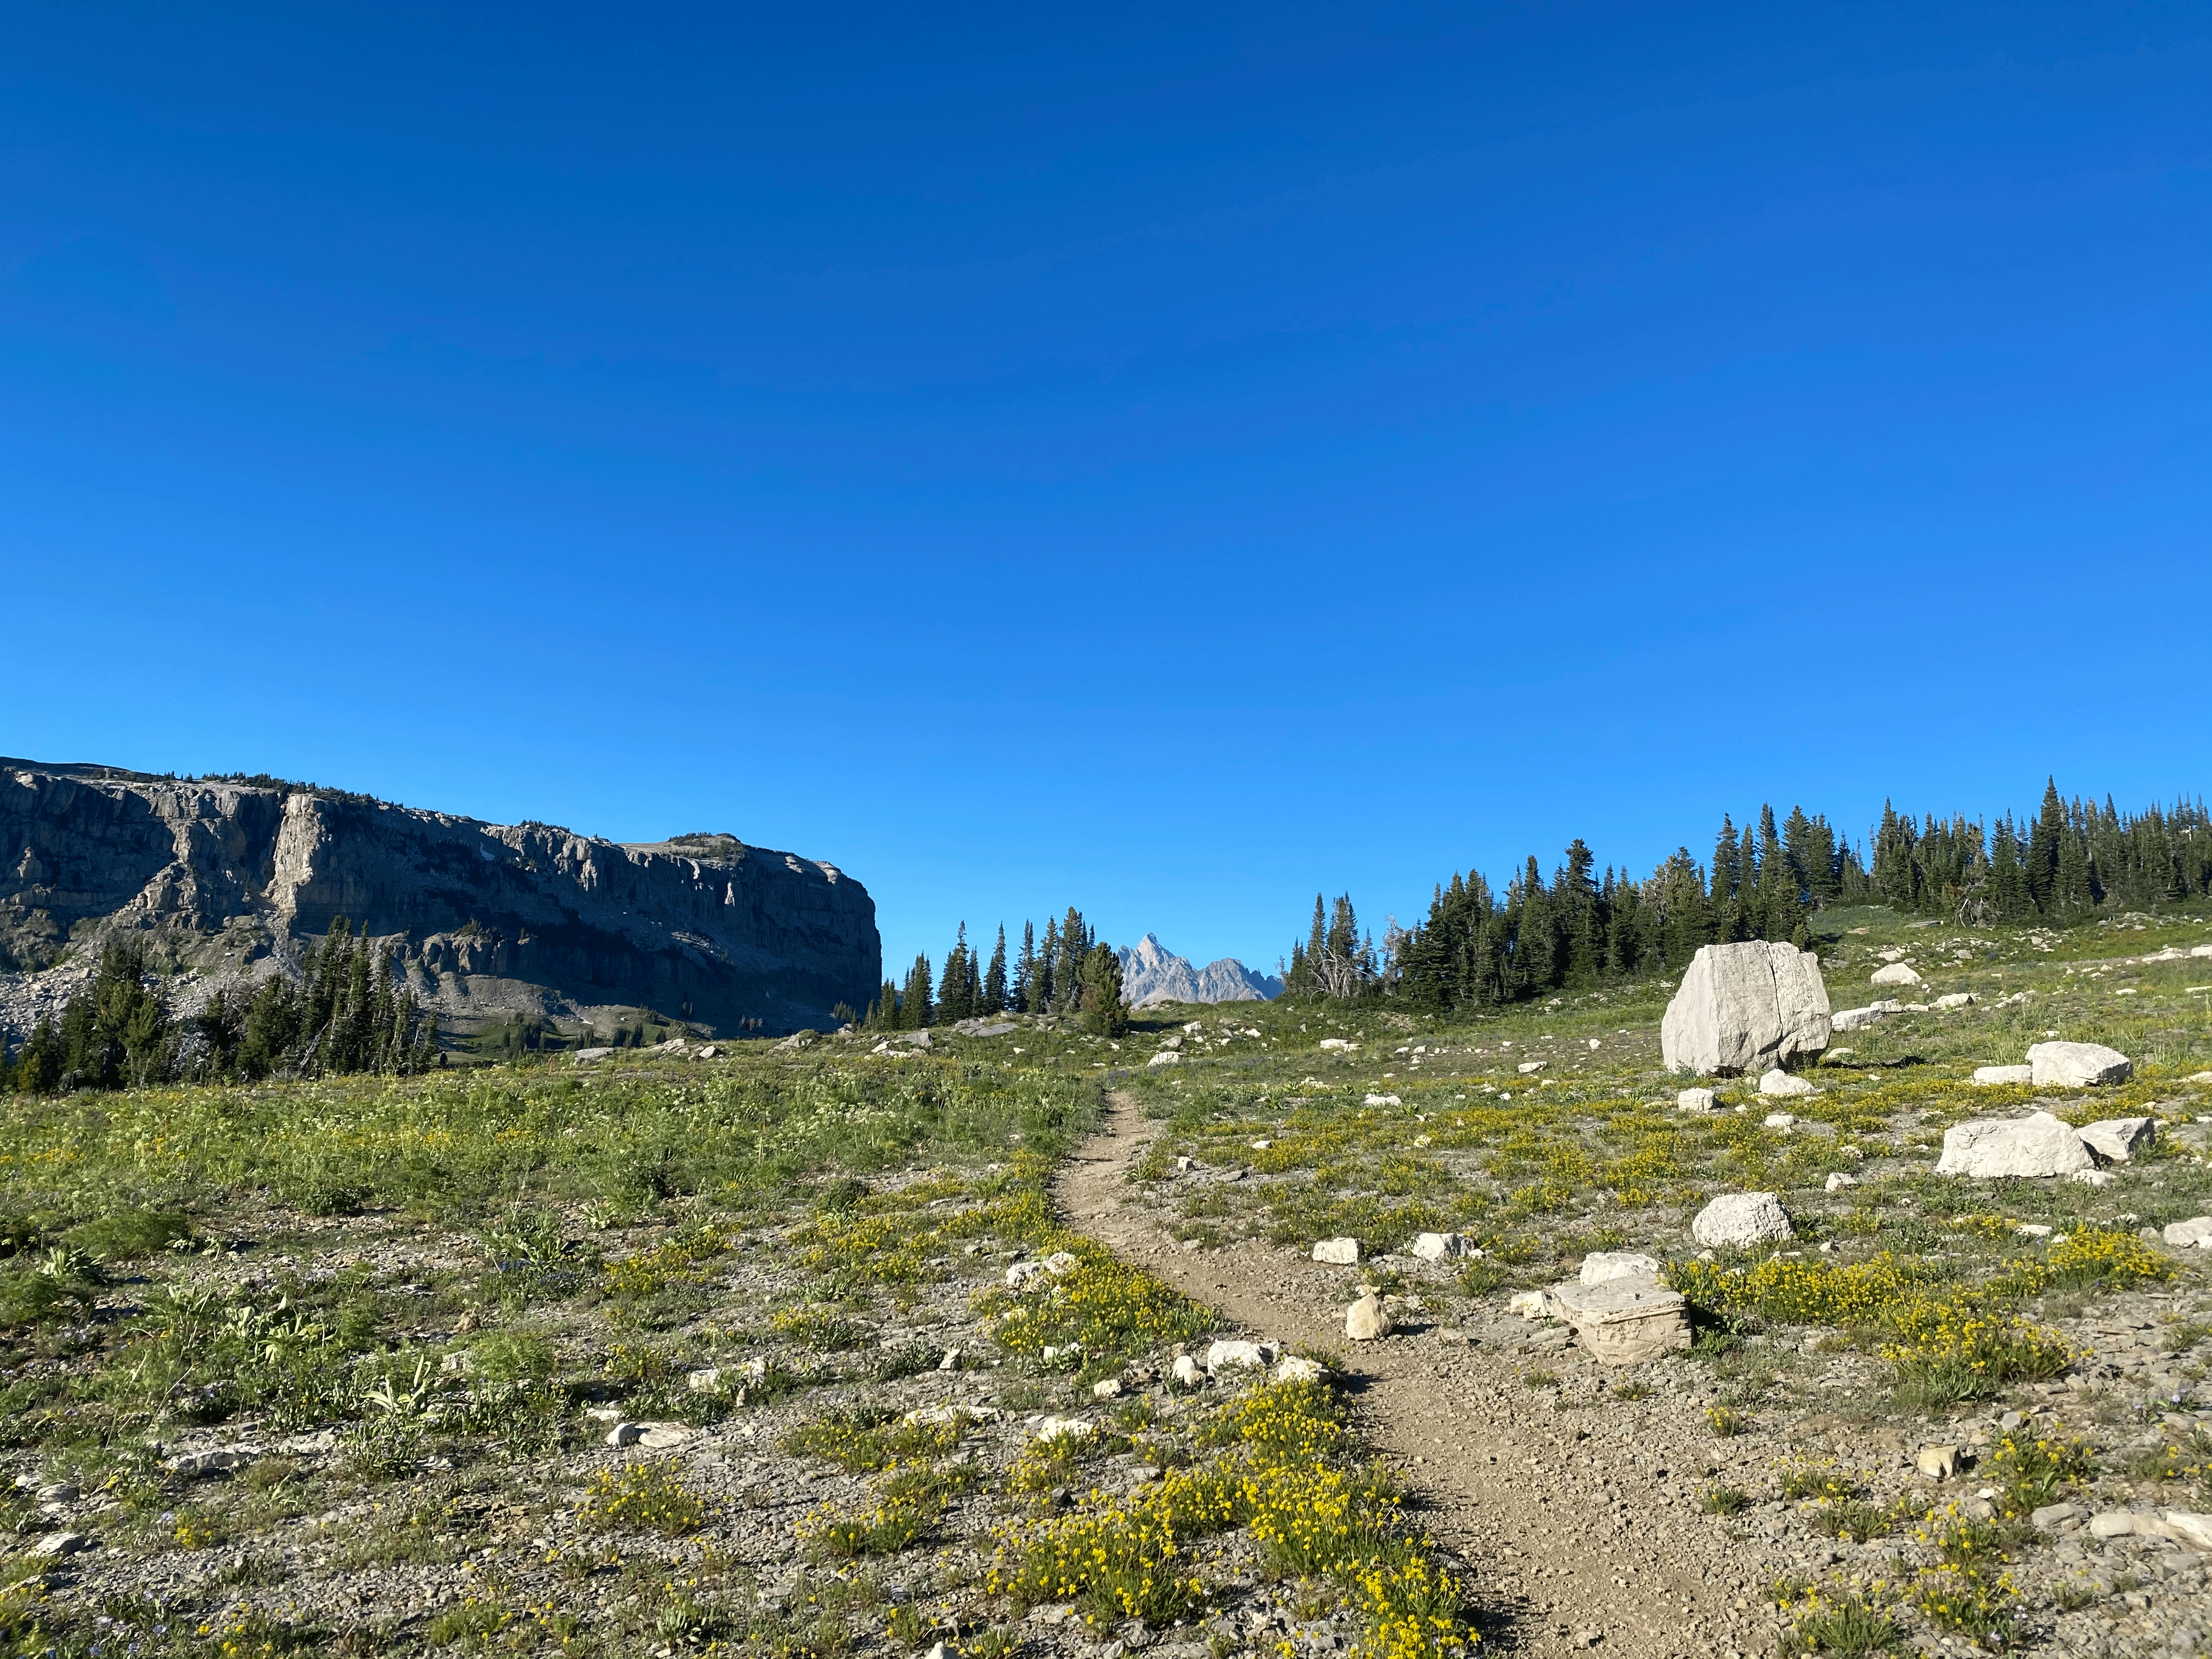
x: 1152, y: 973
x: 224, y: 881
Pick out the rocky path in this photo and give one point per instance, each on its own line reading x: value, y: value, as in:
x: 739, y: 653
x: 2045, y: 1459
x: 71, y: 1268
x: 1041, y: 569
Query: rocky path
x: 1578, y: 1529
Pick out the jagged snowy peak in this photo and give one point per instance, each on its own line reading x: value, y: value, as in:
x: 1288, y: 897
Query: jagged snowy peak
x: 1152, y: 973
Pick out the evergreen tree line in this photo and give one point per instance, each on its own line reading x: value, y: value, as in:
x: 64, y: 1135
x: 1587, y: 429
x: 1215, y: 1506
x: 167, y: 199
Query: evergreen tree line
x: 1072, y: 973
x: 1479, y: 948
x: 347, y: 1014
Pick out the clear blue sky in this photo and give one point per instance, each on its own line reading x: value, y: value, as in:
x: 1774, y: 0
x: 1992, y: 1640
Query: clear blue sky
x: 1169, y: 460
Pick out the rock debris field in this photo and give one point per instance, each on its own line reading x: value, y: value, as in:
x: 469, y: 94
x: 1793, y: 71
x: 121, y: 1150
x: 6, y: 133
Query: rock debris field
x: 1016, y: 1342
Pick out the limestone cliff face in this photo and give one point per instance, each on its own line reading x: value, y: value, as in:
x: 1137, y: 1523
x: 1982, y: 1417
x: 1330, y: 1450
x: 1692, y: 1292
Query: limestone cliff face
x: 226, y: 881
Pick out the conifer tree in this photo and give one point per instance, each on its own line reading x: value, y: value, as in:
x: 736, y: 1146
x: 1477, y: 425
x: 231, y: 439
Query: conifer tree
x: 956, y: 994
x: 1047, y: 966
x: 915, y: 1010
x: 1104, y: 1012
x: 1024, y: 992
x: 995, y: 977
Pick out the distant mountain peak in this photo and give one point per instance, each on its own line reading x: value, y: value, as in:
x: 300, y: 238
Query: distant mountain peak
x: 1151, y: 972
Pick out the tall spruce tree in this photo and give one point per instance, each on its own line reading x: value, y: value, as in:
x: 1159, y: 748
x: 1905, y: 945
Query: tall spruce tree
x: 995, y: 977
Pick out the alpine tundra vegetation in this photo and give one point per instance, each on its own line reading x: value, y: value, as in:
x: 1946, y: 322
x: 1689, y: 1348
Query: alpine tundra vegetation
x: 1370, y: 1319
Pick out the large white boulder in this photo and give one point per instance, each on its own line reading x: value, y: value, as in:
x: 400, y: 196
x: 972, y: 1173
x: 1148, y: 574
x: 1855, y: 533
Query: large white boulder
x: 1746, y: 1007
x: 1898, y: 973
x: 2118, y: 1140
x: 2078, y: 1065
x: 1741, y: 1221
x: 2038, y: 1144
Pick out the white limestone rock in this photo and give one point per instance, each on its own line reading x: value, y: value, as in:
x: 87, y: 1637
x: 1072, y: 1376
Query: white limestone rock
x: 1165, y: 1057
x: 2036, y: 1147
x: 1297, y: 1368
x: 2078, y: 1065
x: 1443, y: 1246
x: 1779, y: 1121
x: 2196, y: 1233
x: 1600, y: 1266
x: 2118, y: 1140
x: 1741, y: 1221
x: 1778, y: 1082
x: 1243, y: 1356
x: 1990, y: 1077
x: 1696, y: 1100
x: 1623, y: 1320
x: 1367, y: 1320
x: 1857, y: 1019
x: 1898, y: 973
x: 1337, y: 1252
x: 1746, y: 1007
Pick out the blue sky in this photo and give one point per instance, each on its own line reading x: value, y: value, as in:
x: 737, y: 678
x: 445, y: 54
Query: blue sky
x: 1169, y: 461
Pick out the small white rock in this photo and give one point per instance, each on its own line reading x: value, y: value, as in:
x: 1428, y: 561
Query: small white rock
x: 1838, y: 1181
x: 1337, y: 1252
x: 1778, y: 1121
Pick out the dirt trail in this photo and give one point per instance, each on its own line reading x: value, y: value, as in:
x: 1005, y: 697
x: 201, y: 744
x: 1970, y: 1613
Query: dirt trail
x: 1518, y: 1490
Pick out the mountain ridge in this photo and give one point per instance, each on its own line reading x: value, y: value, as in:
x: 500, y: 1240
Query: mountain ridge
x: 1151, y: 972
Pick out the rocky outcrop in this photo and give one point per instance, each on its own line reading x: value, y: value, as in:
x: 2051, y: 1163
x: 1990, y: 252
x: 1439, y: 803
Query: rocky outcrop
x: 1153, y: 973
x: 226, y: 881
x: 1746, y: 1007
x: 2036, y: 1146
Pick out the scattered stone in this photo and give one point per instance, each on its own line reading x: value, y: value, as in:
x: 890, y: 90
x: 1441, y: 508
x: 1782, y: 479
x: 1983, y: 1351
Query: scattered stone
x: 1937, y: 1462
x: 222, y: 1460
x: 1337, y: 1252
x: 1696, y: 1100
x: 1443, y: 1246
x: 1992, y: 1076
x: 1857, y: 1019
x: 1898, y: 973
x: 1600, y: 1266
x: 2118, y: 1140
x: 1527, y: 1066
x: 1367, y: 1320
x: 1778, y: 1082
x: 1957, y: 999
x: 1988, y: 1149
x: 706, y: 1380
x: 2121, y: 1524
x: 1165, y: 1057
x: 2051, y: 1517
x: 1529, y: 1304
x: 2186, y: 1526
x: 950, y: 1361
x: 663, y: 1436
x: 1741, y: 1221
x: 1778, y: 1121
x: 1623, y: 1320
x: 1745, y: 1007
x: 2078, y: 1065
x: 1251, y: 1356
x: 1838, y: 1181
x: 2192, y: 1234
x: 61, y: 1543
